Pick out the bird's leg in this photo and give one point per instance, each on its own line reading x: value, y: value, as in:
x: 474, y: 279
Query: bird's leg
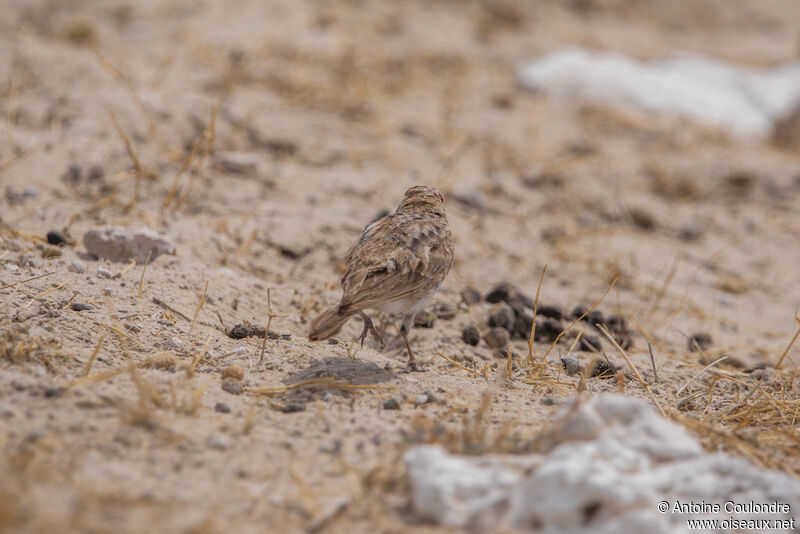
x: 369, y: 327
x: 408, y: 320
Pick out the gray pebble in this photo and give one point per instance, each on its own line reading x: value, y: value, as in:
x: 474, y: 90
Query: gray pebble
x: 77, y: 266
x: 221, y: 407
x: 391, y: 404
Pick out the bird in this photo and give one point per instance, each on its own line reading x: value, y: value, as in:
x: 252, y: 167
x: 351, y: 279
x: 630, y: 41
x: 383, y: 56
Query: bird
x: 396, y: 267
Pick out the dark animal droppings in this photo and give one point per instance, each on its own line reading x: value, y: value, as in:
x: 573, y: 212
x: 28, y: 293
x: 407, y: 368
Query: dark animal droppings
x: 55, y: 238
x: 471, y: 335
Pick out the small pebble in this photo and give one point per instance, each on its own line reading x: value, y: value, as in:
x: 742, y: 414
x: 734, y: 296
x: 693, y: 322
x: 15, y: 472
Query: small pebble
x: 471, y: 335
x: 522, y: 326
x: 80, y: 306
x: 594, y: 318
x: 293, y: 408
x: 327, y: 397
x: 11, y: 267
x: 553, y: 312
x: 234, y: 387
x: 571, y: 365
x: 420, y: 400
x: 221, y: 407
x: 503, y: 317
x: 215, y: 441
x: 445, y: 312
x: 77, y: 266
x: 470, y: 296
x: 175, y: 343
x: 53, y: 392
x: 55, y: 238
x: 424, y: 320
x: 548, y: 401
x: 547, y: 330
x: 233, y: 372
x: 500, y: 293
x: 497, y: 338
x: 103, y: 272
x: 391, y: 404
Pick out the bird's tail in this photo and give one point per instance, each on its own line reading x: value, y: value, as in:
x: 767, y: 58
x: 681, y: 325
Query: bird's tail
x: 328, y: 323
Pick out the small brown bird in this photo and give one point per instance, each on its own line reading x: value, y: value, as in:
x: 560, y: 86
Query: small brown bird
x: 396, y: 267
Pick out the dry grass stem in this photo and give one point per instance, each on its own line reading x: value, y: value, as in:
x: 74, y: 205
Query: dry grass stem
x: 90, y: 361
x: 535, y: 309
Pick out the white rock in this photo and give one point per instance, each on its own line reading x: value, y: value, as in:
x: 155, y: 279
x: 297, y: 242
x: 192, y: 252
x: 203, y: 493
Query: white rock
x: 611, y: 461
x: 455, y: 491
x: 104, y: 272
x: 744, y: 101
x: 124, y: 244
x: 11, y: 267
x: 77, y: 266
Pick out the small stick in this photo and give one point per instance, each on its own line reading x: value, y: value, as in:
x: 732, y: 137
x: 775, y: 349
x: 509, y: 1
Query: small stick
x: 169, y: 308
x: 90, y: 361
x: 459, y: 365
x: 653, y: 362
x: 709, y: 366
x: 789, y: 347
x: 587, y: 312
x: 45, y: 293
x: 144, y: 270
x: 535, y: 309
x: 630, y: 363
x: 7, y: 286
x: 269, y: 322
x: 120, y: 333
x: 199, y: 307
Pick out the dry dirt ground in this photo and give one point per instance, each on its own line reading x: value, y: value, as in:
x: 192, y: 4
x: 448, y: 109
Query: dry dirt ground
x: 338, y: 107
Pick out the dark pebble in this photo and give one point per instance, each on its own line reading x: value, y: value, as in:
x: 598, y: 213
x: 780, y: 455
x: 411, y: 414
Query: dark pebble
x: 577, y: 311
x: 553, y: 312
x: 471, y: 335
x: 444, y: 312
x: 241, y: 331
x: 424, y: 320
x: 80, y: 306
x: 470, y: 296
x: 522, y: 326
x: 500, y: 293
x: 391, y: 404
x: 333, y: 341
x: 702, y: 339
x: 55, y: 238
x: 232, y: 386
x: 73, y: 173
x: 503, y: 317
x: 96, y: 173
x: 53, y: 392
x: 616, y: 324
x: 293, y: 408
x: 547, y: 330
x: 497, y: 338
x: 642, y: 219
x: 548, y: 401
x: 602, y: 368
x: 594, y: 318
x: 221, y: 407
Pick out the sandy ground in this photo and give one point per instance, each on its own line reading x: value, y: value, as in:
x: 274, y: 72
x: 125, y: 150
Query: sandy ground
x: 340, y: 106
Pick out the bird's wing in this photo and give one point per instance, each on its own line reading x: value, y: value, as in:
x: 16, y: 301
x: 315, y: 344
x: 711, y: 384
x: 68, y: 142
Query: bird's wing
x: 396, y: 257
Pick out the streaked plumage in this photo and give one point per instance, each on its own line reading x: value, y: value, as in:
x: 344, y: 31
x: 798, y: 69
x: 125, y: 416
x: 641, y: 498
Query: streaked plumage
x: 396, y: 266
